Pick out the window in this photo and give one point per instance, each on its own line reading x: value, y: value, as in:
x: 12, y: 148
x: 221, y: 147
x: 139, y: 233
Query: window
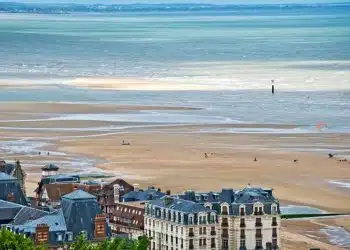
x: 171, y: 239
x: 212, y: 243
x: 242, y: 243
x: 171, y: 228
x: 274, y: 232
x: 166, y: 238
x: 224, y: 244
x: 224, y: 222
x: 242, y: 234
x: 242, y: 212
x: 204, y: 230
x: 258, y: 244
x: 200, y: 242
x: 274, y: 209
x: 274, y: 243
x: 176, y: 240
x: 59, y: 237
x: 260, y: 210
x: 258, y: 233
x: 191, y: 244
x: 200, y: 230
x: 256, y: 211
x: 204, y: 241
x: 191, y: 234
x: 258, y: 222
x: 242, y: 222
x: 274, y: 221
x: 224, y: 210
x: 70, y: 236
x: 182, y: 230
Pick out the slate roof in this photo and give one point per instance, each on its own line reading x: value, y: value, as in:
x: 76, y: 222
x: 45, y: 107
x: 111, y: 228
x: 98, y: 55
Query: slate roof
x: 10, y: 185
x: 252, y: 195
x: 181, y: 205
x: 5, y: 177
x: 79, y: 210
x: 149, y: 194
x: 8, y: 211
x: 79, y: 195
x: 8, y: 168
x: 28, y: 214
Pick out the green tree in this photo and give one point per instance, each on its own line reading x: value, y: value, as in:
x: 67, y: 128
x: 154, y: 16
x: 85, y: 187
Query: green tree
x: 11, y: 241
x: 81, y: 243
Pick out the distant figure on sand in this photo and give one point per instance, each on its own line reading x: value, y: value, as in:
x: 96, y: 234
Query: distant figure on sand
x: 48, y: 153
x: 295, y: 160
x: 39, y: 153
x: 330, y: 155
x: 255, y: 159
x: 206, y: 155
x: 124, y: 143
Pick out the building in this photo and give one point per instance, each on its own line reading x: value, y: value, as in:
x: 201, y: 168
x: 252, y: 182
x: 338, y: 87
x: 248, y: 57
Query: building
x: 10, y: 190
x: 79, y: 213
x: 174, y: 223
x: 112, y: 193
x: 49, y: 170
x: 127, y: 219
x: 245, y: 219
x: 14, y: 170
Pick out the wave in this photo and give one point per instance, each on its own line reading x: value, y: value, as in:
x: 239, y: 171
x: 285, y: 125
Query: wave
x: 15, y: 7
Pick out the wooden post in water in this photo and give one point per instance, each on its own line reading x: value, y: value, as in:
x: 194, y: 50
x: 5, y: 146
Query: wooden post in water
x: 273, y: 87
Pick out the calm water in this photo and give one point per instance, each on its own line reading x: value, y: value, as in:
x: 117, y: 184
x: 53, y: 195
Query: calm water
x: 303, y: 48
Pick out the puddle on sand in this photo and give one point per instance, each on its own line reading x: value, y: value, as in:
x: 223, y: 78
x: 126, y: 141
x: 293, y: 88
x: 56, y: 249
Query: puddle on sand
x: 337, y: 236
x: 295, y: 209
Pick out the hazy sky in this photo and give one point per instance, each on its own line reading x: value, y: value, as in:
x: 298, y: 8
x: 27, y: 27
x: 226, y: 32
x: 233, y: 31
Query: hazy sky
x: 180, y: 1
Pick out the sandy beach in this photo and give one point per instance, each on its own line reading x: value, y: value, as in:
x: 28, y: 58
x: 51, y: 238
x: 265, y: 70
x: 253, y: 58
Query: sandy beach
x: 172, y: 157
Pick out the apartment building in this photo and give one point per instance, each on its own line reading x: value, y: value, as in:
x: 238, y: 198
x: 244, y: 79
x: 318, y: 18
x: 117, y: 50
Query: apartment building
x: 244, y: 219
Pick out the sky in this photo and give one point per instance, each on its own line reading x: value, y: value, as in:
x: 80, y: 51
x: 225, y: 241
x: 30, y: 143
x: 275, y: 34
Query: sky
x: 182, y: 1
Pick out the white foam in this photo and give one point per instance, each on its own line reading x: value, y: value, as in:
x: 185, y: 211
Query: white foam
x: 340, y: 183
x: 337, y: 236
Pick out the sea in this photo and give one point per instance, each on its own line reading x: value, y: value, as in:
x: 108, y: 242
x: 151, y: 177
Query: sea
x: 235, y: 50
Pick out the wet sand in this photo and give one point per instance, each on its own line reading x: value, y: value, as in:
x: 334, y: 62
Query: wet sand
x: 172, y: 157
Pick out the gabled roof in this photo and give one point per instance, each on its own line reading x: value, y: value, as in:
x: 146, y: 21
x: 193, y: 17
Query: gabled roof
x: 179, y: 205
x: 57, y: 190
x: 79, y: 195
x: 252, y: 195
x: 5, y: 177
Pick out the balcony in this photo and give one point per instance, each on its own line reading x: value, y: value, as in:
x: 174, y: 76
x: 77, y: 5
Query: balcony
x: 274, y: 224
x: 213, y: 246
x: 191, y: 247
x: 242, y: 225
x: 191, y: 234
x: 212, y: 233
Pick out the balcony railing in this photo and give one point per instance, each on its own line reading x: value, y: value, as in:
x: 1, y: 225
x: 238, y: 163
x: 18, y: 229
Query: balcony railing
x: 274, y: 224
x: 191, y: 247
x: 191, y: 234
x: 213, y: 246
x: 242, y: 225
x: 212, y: 233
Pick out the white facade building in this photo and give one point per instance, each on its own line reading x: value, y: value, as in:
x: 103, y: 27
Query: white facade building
x: 230, y: 220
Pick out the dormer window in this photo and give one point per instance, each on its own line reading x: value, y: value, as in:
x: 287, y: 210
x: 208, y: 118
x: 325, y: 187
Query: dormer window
x: 59, y: 237
x: 241, y: 211
x: 224, y: 210
x: 274, y: 209
x: 198, y: 198
x: 190, y: 219
x: 70, y: 236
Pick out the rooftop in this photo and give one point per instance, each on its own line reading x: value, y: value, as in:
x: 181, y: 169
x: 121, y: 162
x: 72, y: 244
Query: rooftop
x: 78, y: 195
x: 6, y: 177
x: 179, y: 205
x: 50, y: 167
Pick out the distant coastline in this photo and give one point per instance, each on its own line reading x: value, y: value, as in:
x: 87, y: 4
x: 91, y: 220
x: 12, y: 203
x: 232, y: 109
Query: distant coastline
x: 42, y: 8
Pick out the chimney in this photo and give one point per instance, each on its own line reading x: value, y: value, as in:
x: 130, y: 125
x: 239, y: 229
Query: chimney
x: 41, y: 234
x: 11, y: 197
x: 168, y: 192
x: 136, y: 187
x: 100, y: 226
x: 116, y: 193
